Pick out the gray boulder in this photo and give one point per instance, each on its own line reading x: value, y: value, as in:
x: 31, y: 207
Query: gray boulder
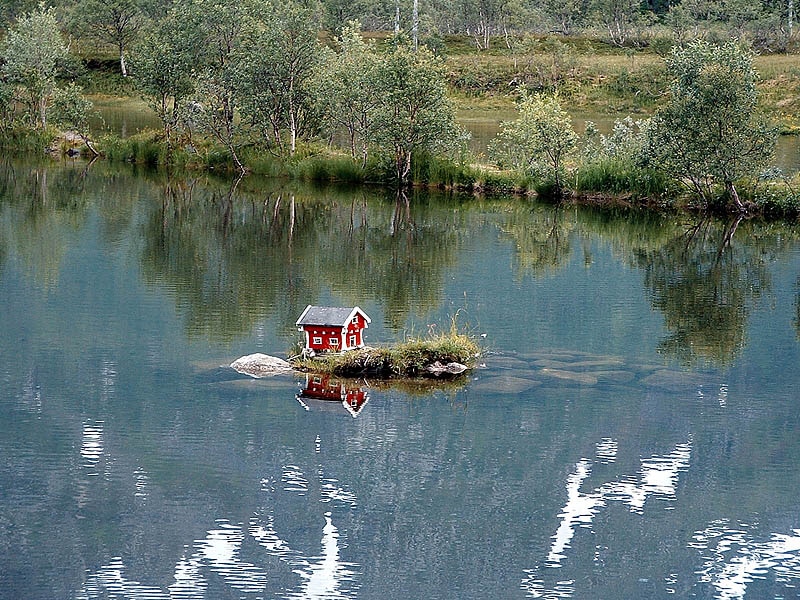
x: 261, y: 365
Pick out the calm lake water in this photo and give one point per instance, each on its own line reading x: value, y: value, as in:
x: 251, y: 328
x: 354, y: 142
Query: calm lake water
x: 632, y: 431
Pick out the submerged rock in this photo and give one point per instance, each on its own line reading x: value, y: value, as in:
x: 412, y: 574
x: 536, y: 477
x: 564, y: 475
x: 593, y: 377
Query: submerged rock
x: 582, y: 378
x: 261, y: 365
x: 675, y: 381
x: 583, y: 365
x: 507, y: 362
x: 505, y: 385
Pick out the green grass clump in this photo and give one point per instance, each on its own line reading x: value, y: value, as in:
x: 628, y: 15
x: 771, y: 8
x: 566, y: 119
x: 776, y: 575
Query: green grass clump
x: 146, y: 148
x: 337, y: 168
x: 435, y: 171
x: 619, y: 176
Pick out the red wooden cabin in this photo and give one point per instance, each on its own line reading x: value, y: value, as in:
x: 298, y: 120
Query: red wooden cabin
x: 333, y: 329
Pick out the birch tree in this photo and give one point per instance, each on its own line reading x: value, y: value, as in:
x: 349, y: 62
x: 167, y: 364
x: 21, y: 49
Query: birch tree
x: 413, y: 113
x: 164, y: 62
x: 32, y: 54
x: 539, y: 140
x: 710, y: 132
x: 346, y: 90
x: 115, y: 22
x: 276, y: 61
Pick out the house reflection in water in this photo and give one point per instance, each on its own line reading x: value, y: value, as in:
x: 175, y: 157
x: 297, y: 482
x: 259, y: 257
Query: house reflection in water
x: 320, y: 390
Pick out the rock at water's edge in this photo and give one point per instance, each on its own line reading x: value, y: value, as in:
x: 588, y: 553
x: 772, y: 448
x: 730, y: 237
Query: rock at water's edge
x: 261, y: 365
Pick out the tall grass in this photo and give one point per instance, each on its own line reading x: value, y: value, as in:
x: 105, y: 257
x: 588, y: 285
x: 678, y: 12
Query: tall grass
x: 146, y: 148
x: 328, y: 168
x: 621, y: 177
x: 26, y: 140
x: 441, y: 172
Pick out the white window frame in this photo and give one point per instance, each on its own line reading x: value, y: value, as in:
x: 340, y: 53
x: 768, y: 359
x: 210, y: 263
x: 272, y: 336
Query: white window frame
x: 333, y: 341
x: 317, y: 340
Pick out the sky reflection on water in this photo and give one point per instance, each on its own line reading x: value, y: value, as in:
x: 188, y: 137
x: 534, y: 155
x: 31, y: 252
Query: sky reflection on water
x: 216, y: 562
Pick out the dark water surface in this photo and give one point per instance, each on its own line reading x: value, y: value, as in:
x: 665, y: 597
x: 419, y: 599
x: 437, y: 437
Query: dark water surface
x: 633, y: 431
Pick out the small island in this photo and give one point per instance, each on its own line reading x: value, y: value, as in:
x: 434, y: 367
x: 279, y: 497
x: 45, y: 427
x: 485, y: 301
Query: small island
x: 334, y: 345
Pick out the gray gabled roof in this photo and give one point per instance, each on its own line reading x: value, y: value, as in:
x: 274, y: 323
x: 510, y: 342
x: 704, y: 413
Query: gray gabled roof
x: 335, y: 316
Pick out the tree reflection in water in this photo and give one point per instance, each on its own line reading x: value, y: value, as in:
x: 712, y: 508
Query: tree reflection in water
x: 541, y: 237
x: 705, y: 286
x: 231, y: 257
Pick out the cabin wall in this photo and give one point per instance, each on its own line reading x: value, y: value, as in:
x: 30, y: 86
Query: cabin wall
x: 319, y: 338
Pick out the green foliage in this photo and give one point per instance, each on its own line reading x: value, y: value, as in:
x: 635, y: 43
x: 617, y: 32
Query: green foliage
x: 114, y: 22
x: 620, y: 18
x: 274, y: 65
x: 27, y: 140
x: 539, y: 141
x: 32, y: 53
x: 71, y: 109
x: 776, y: 196
x: 710, y: 132
x: 414, y: 112
x: 345, y: 91
x: 7, y: 113
x: 163, y: 63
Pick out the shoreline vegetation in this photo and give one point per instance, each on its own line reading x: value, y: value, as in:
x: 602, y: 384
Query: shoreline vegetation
x: 329, y: 108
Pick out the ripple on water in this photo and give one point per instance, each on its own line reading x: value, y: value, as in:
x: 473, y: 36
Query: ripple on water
x: 734, y: 556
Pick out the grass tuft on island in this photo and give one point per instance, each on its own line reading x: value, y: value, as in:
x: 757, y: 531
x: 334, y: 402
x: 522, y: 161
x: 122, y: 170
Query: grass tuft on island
x: 410, y: 358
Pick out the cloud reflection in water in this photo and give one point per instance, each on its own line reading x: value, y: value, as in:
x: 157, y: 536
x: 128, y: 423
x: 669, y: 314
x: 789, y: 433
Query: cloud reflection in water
x: 219, y: 556
x: 733, y: 558
x: 658, y: 477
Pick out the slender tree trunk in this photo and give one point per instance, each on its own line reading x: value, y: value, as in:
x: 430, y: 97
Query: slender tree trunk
x: 89, y: 145
x: 731, y: 188
x: 122, y: 64
x: 352, y: 131
x: 43, y: 110
x: 292, y: 119
x: 403, y: 167
x: 415, y: 24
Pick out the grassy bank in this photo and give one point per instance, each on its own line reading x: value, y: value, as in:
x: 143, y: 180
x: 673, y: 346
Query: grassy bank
x: 592, y: 76
x: 597, y: 182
